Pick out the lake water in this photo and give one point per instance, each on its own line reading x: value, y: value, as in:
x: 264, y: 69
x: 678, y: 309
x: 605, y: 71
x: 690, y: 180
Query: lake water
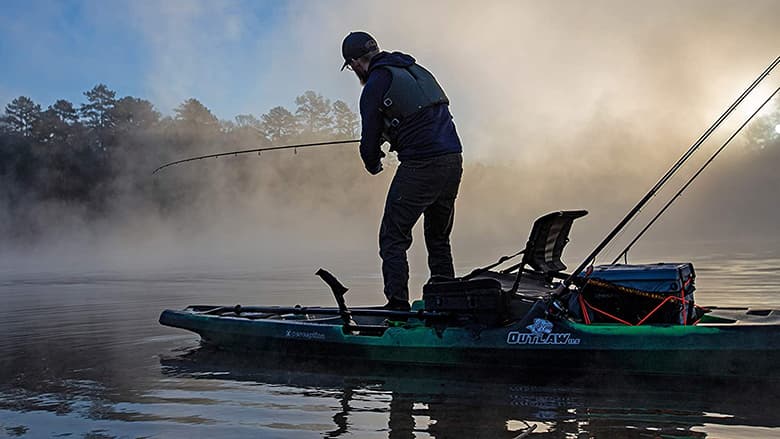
x: 84, y: 356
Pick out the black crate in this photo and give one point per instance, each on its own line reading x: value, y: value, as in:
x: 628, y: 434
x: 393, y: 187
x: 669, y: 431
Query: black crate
x: 479, y: 301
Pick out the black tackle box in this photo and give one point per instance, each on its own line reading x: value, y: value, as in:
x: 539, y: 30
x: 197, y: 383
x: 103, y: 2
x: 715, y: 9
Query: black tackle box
x: 477, y: 301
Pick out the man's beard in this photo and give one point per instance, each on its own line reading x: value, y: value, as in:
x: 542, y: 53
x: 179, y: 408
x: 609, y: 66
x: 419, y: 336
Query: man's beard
x: 362, y: 77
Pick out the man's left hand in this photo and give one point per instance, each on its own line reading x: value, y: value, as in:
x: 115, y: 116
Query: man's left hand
x: 375, y: 170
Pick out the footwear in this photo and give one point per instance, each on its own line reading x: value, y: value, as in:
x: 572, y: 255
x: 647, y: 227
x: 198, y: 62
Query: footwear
x: 397, y: 305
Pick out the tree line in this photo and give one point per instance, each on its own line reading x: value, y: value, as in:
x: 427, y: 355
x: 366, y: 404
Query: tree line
x: 97, y: 156
x: 89, y: 153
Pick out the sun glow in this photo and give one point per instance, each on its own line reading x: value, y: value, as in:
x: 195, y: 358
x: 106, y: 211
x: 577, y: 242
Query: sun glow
x: 777, y: 128
x: 751, y: 104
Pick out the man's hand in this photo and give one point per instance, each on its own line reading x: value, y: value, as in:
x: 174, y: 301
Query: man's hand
x: 376, y: 169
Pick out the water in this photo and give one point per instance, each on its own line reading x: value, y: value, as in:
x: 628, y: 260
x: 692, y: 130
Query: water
x: 84, y: 356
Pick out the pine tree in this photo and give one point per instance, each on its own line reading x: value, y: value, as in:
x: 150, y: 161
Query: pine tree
x: 97, y: 112
x: 313, y: 113
x: 345, y: 121
x: 65, y: 111
x: 279, y: 124
x: 21, y: 115
x: 247, y: 121
x: 248, y: 125
x: 192, y: 112
x: 134, y: 113
x: 50, y: 128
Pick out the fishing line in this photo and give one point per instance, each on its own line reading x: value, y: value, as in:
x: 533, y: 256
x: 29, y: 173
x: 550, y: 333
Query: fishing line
x: 688, y: 183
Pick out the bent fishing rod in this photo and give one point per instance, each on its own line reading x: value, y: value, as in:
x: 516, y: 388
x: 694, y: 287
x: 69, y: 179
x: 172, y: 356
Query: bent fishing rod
x: 688, y: 183
x: 257, y: 150
x: 561, y: 289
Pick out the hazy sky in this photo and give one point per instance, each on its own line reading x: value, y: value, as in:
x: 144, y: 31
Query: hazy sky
x: 507, y: 63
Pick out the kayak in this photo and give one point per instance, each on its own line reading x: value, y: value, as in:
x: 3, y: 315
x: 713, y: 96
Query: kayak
x: 636, y: 320
x: 726, y: 342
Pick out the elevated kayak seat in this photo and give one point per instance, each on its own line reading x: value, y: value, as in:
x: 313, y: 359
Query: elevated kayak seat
x: 543, y: 251
x: 541, y: 263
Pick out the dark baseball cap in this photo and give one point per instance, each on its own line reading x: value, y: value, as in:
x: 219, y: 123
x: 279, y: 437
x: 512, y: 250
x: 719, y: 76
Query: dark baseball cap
x: 355, y: 45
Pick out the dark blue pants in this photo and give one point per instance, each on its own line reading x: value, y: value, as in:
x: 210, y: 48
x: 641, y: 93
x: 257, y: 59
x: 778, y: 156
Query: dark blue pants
x: 426, y: 187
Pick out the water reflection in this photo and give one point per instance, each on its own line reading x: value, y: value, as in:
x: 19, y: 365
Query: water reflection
x: 445, y: 403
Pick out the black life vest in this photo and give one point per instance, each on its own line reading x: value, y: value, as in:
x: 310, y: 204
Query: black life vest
x: 412, y: 89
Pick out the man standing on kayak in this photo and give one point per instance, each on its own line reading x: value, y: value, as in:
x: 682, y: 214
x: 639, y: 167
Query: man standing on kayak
x: 403, y: 104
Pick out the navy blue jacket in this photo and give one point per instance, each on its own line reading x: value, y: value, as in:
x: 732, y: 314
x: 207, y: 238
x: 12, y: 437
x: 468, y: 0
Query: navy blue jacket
x: 428, y: 133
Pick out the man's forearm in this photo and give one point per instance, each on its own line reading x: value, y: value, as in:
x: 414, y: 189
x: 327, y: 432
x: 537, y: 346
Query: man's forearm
x: 372, y: 156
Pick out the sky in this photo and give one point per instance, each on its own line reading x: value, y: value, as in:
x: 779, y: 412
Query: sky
x: 162, y: 51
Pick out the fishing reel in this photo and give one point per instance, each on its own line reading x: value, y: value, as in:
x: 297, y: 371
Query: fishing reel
x: 554, y: 303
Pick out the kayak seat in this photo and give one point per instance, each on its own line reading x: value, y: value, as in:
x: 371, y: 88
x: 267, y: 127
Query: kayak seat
x: 542, y: 253
x: 541, y: 263
x: 544, y: 248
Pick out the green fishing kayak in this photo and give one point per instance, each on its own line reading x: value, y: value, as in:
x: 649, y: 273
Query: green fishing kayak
x: 631, y: 319
x: 726, y: 342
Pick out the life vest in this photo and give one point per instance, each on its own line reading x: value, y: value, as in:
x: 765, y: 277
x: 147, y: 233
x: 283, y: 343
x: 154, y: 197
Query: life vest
x: 411, y: 89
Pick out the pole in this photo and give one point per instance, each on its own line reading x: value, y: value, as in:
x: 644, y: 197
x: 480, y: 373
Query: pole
x: 257, y: 150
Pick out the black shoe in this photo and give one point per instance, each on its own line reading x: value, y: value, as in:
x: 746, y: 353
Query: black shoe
x: 397, y: 305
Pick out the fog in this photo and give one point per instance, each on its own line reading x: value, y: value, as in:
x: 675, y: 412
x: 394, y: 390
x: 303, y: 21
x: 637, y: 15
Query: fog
x: 560, y: 105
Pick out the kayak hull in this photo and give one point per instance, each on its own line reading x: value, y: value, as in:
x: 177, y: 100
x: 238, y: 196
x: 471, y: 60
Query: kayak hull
x: 737, y: 348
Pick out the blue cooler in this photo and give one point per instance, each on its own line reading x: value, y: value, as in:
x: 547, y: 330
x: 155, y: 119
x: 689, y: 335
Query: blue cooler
x: 639, y: 294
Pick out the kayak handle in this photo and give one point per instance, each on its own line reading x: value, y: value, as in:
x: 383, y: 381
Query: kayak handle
x: 338, y: 288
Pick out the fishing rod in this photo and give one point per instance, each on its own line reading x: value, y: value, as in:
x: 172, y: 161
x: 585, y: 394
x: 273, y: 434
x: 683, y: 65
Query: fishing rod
x: 688, y: 183
x: 257, y: 150
x: 632, y: 213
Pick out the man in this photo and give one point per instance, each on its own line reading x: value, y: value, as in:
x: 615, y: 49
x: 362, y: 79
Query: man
x: 402, y: 104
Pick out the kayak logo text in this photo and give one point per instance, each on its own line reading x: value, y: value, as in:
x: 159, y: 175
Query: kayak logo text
x: 541, y: 333
x: 305, y: 334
